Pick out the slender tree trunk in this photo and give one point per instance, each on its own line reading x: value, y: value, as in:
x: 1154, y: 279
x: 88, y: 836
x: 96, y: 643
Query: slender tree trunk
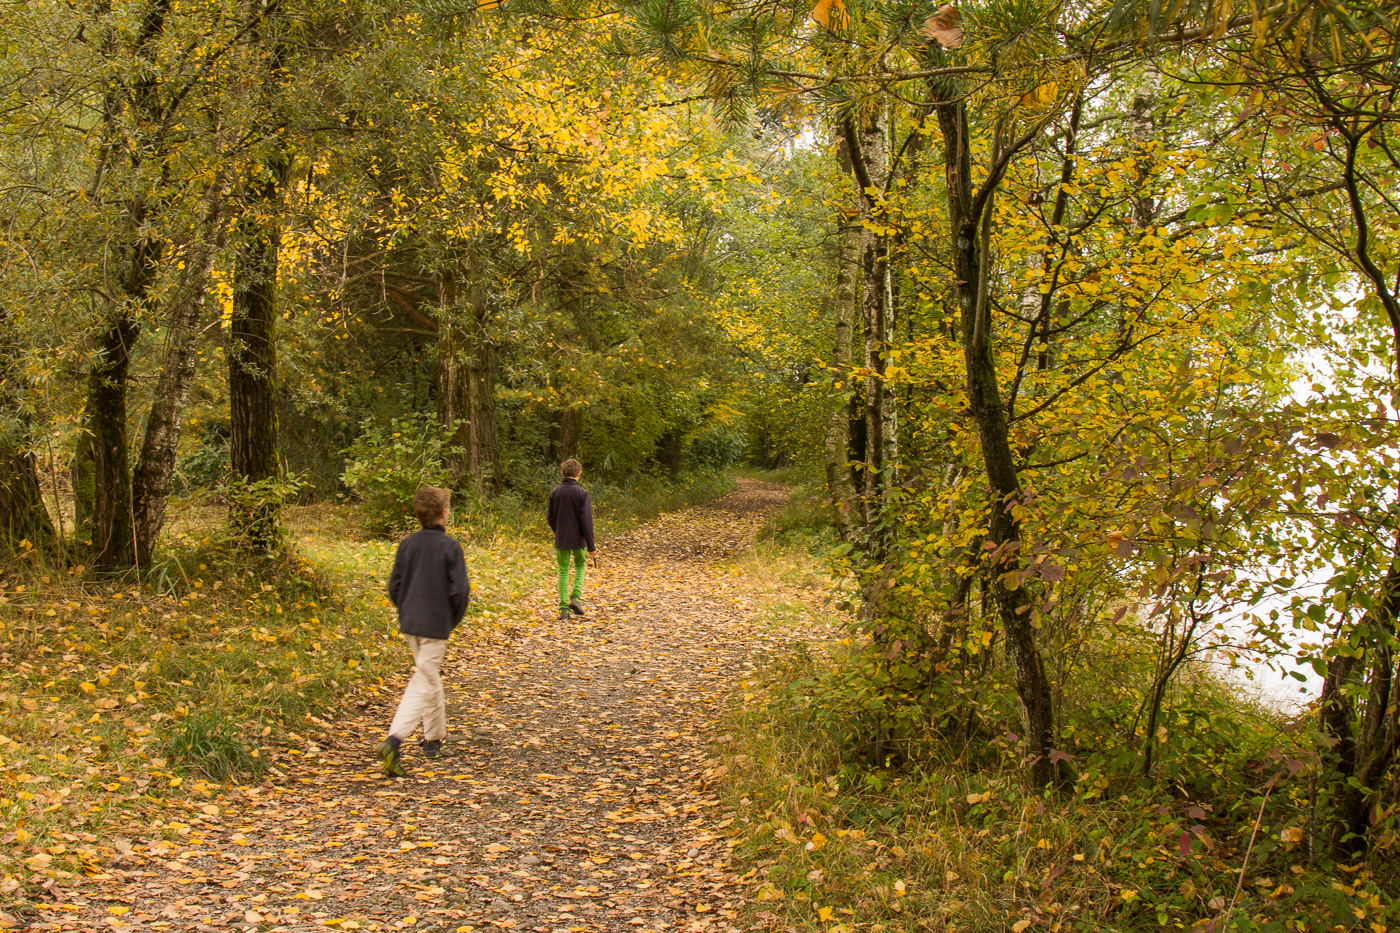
x: 23, y: 516
x: 481, y: 374
x: 1364, y: 747
x: 84, y: 483
x: 837, y: 447
x: 155, y: 466
x: 453, y: 419
x: 969, y: 213
x: 467, y: 373
x: 869, y: 153
x: 256, y: 512
x: 1363, y: 743
x: 563, y: 435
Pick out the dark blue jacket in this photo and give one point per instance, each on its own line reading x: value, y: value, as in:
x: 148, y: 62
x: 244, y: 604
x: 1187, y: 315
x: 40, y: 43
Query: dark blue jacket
x: 570, y: 514
x: 429, y: 583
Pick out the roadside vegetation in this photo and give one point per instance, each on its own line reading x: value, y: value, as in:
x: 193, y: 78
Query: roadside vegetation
x: 859, y: 805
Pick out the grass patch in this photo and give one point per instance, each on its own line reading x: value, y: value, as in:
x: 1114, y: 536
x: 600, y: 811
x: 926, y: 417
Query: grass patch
x: 133, y: 706
x: 211, y: 745
x: 946, y: 835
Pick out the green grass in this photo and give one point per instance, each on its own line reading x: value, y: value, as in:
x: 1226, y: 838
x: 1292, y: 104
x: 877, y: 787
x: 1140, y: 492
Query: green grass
x: 952, y: 839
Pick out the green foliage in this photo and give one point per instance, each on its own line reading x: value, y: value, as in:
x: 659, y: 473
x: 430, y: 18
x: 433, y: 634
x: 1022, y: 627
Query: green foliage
x: 387, y: 463
x: 856, y: 801
x: 805, y: 522
x: 206, y: 463
x: 207, y: 743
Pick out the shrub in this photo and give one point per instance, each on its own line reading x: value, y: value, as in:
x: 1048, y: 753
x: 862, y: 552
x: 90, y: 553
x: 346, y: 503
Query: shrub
x: 387, y: 463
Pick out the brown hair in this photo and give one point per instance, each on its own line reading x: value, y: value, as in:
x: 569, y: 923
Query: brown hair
x: 571, y: 467
x: 429, y: 503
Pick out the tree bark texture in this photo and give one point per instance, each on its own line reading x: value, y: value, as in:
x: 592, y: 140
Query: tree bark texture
x: 968, y: 211
x: 113, y: 545
x: 1364, y: 740
x: 867, y: 144
x: 252, y: 357
x: 106, y: 477
x: 836, y: 450
x: 155, y: 466
x: 23, y: 516
x: 564, y: 429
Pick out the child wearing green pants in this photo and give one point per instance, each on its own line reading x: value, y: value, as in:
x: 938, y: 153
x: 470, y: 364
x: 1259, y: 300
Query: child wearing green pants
x: 570, y: 515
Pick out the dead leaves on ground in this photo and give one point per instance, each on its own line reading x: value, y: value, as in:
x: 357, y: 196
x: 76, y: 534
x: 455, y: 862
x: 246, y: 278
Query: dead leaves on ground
x: 574, y: 795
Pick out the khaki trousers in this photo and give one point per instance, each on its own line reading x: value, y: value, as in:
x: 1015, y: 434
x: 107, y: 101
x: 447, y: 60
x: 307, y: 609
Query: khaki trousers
x: 422, y: 698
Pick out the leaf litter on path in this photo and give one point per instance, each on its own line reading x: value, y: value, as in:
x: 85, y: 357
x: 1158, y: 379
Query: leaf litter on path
x: 571, y: 797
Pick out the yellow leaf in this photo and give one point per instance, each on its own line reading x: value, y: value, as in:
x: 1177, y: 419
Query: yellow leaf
x: 830, y: 13
x: 118, y: 910
x: 818, y: 841
x: 1019, y: 926
x: 824, y: 914
x: 87, y: 687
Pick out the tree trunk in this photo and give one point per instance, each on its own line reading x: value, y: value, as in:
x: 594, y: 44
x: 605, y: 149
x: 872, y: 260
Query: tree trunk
x: 869, y: 153
x: 84, y: 483
x: 102, y: 486
x: 23, y: 517
x: 481, y: 400
x: 1363, y: 743
x: 256, y: 510
x: 837, y: 448
x: 563, y: 435
x: 155, y: 466
x: 452, y: 404
x: 969, y: 213
x: 113, y: 546
x: 467, y: 371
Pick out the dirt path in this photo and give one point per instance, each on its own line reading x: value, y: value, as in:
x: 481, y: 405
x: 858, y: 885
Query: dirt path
x: 571, y: 798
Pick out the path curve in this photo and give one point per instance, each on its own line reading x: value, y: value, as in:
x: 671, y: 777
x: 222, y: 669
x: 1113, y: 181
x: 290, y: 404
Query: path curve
x: 572, y: 797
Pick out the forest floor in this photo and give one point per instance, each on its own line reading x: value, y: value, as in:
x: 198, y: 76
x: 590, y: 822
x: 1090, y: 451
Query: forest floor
x: 576, y: 789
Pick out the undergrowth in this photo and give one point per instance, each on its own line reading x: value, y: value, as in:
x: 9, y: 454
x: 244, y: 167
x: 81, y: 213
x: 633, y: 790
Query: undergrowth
x: 859, y: 809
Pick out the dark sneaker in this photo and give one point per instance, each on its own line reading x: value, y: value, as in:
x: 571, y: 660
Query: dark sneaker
x: 563, y: 615
x: 432, y: 749
x: 575, y: 606
x: 388, y: 752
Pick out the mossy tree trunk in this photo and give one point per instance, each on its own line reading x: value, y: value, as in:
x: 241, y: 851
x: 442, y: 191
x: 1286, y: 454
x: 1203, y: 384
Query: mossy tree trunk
x: 255, y: 510
x: 969, y: 215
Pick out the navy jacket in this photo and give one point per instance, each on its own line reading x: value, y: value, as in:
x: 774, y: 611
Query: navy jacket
x: 429, y: 583
x: 570, y: 514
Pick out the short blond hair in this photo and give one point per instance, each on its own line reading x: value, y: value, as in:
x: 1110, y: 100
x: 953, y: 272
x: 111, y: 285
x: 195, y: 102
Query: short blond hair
x: 429, y: 503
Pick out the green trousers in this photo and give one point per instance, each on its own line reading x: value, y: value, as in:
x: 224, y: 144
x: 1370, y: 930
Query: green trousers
x: 580, y: 561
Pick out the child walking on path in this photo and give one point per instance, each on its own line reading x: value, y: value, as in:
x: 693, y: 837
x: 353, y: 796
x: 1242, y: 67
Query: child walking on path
x: 570, y: 515
x: 430, y: 587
